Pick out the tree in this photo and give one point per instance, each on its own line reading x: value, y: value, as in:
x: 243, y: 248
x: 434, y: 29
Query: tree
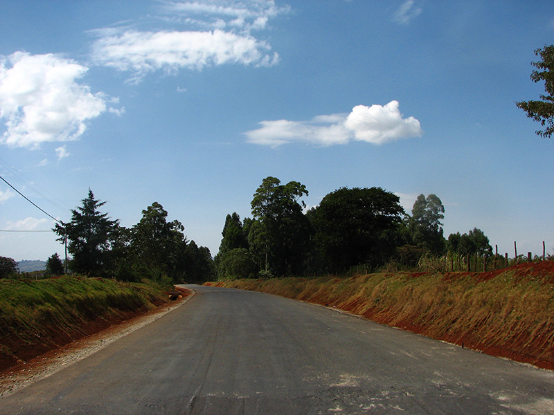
x: 8, y: 266
x: 234, y: 237
x: 426, y: 225
x: 54, y: 265
x: 90, y: 236
x: 358, y: 225
x: 283, y: 232
x: 542, y: 111
x: 233, y: 234
x: 159, y: 245
x: 474, y: 242
x: 237, y: 263
x: 198, y: 264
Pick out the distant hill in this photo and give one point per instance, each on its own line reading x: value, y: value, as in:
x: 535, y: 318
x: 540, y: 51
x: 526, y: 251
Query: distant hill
x: 31, y: 265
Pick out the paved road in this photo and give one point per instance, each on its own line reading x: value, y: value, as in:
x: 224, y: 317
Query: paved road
x: 229, y: 351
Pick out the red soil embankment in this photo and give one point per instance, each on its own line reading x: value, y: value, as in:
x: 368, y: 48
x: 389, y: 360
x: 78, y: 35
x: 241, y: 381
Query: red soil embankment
x: 507, y: 312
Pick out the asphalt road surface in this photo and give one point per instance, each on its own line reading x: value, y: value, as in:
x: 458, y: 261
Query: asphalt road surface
x: 228, y: 351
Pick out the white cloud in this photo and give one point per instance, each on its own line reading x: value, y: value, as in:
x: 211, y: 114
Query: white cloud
x: 143, y: 52
x: 5, y: 195
x: 117, y: 111
x: 406, y: 12
x: 204, y: 33
x: 28, y: 224
x: 62, y: 152
x: 221, y: 14
x: 376, y: 124
x: 42, y: 101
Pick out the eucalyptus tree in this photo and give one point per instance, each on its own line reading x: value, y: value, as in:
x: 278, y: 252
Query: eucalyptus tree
x: 282, y: 232
x: 425, y: 224
x: 157, y: 244
x: 234, y: 241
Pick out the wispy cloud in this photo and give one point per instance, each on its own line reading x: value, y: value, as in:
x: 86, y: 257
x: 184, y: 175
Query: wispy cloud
x: 28, y: 224
x: 62, y: 152
x: 217, y: 32
x: 239, y: 15
x: 5, y: 195
x: 376, y: 124
x: 41, y: 100
x: 144, y: 52
x: 407, y: 11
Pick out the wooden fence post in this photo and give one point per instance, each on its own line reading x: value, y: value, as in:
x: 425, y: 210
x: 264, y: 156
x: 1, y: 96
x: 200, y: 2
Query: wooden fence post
x: 515, y: 251
x: 543, y: 251
x: 506, y: 260
x: 529, y: 256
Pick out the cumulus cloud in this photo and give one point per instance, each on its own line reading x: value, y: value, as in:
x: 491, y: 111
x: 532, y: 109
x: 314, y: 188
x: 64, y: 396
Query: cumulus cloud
x: 376, y: 124
x: 41, y: 100
x: 5, y: 195
x: 143, y: 52
x: 407, y: 11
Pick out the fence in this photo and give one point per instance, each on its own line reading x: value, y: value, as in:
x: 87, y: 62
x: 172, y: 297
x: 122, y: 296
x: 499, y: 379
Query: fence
x: 456, y: 262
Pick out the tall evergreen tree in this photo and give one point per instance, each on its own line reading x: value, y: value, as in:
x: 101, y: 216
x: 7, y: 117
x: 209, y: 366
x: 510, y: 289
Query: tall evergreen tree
x: 233, y: 234
x: 90, y: 236
x: 54, y: 265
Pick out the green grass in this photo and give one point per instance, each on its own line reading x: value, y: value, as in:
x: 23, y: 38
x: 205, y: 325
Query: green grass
x: 36, y: 316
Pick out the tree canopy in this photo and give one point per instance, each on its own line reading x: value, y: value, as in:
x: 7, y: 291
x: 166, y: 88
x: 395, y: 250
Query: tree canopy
x: 474, y: 242
x: 282, y: 233
x: 154, y: 248
x: 357, y: 225
x: 542, y: 110
x: 54, y: 265
x: 7, y: 267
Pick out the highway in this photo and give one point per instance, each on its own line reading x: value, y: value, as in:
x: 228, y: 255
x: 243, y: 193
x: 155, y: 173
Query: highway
x: 228, y: 351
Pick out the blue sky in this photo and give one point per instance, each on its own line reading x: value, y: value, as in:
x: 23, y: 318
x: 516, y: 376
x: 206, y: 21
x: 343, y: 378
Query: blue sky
x: 193, y: 103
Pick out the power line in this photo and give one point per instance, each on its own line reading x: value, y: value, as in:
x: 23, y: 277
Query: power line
x: 11, y: 186
x: 11, y: 171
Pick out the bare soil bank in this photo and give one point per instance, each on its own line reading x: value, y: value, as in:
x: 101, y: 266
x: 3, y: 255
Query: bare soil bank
x: 507, y: 313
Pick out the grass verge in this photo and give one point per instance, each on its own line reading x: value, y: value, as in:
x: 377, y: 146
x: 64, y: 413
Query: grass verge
x: 38, y: 316
x: 507, y: 312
